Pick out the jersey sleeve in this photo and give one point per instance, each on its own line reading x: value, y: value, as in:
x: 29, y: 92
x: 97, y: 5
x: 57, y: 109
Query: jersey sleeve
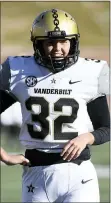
x: 7, y: 98
x: 5, y: 75
x: 103, y: 80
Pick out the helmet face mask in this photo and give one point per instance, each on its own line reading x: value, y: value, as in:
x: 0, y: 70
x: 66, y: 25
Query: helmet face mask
x: 55, y: 25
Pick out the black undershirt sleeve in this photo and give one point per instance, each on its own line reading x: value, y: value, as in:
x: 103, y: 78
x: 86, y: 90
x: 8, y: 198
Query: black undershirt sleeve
x: 100, y: 117
x: 6, y: 100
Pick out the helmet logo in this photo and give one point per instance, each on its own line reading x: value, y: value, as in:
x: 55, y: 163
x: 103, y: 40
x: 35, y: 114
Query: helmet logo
x: 56, y: 21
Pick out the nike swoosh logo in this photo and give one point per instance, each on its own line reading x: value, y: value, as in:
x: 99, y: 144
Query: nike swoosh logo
x: 70, y: 82
x: 85, y: 181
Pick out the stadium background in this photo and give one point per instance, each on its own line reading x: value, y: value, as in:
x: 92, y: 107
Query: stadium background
x: 16, y: 20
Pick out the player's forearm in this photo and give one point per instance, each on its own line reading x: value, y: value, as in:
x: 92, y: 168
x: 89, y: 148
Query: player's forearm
x: 97, y: 137
x: 6, y: 158
x: 3, y: 155
x: 13, y: 159
x: 88, y: 138
x: 101, y: 135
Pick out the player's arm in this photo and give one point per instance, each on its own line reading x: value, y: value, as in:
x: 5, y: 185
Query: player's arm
x: 99, y: 114
x: 12, y: 159
x: 6, y: 98
x: 98, y: 110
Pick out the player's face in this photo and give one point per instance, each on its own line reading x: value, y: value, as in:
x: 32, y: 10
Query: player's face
x: 56, y: 48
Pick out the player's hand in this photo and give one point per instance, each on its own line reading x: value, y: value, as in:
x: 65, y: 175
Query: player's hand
x: 17, y: 159
x: 75, y: 146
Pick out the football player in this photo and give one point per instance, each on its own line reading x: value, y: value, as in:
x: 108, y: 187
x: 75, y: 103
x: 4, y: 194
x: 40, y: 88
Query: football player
x: 64, y: 111
x: 12, y: 159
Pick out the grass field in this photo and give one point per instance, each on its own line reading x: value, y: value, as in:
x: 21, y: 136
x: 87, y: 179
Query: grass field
x: 90, y: 14
x: 11, y: 185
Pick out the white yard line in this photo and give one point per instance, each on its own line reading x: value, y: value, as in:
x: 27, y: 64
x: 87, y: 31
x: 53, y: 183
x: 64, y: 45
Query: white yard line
x: 102, y: 171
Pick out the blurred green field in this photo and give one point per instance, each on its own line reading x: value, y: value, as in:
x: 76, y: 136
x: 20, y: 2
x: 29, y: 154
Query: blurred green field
x: 17, y: 17
x: 11, y: 185
x: 101, y: 154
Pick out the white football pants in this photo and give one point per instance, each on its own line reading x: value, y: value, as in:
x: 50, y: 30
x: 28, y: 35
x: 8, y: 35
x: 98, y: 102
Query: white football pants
x: 65, y: 182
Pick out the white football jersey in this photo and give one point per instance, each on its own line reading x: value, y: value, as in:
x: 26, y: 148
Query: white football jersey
x: 54, y: 106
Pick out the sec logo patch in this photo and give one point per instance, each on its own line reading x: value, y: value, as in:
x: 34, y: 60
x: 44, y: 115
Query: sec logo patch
x: 31, y: 81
